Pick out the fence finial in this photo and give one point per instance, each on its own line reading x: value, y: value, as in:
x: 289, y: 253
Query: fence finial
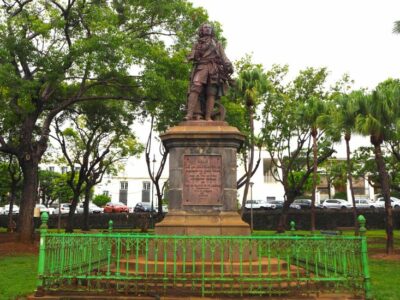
x: 361, y: 223
x: 110, y: 226
x: 44, y: 218
x: 292, y: 226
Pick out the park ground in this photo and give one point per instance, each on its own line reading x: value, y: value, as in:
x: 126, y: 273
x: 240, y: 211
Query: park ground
x: 18, y: 265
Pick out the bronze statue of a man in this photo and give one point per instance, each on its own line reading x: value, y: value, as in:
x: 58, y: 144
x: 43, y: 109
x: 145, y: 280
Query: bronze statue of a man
x: 209, y: 77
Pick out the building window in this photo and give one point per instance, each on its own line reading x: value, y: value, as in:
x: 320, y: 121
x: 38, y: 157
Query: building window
x: 51, y: 168
x: 124, y: 185
x: 146, y: 185
x: 64, y: 170
x: 269, y: 170
x: 77, y: 169
x: 106, y: 193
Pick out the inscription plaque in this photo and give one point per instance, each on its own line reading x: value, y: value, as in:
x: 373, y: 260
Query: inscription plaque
x: 202, y: 176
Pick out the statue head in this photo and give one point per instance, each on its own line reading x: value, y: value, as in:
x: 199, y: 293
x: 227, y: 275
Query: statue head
x: 206, y: 29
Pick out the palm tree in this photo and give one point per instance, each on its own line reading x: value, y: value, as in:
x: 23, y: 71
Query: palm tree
x: 311, y: 111
x: 347, y: 108
x: 378, y: 117
x: 250, y: 86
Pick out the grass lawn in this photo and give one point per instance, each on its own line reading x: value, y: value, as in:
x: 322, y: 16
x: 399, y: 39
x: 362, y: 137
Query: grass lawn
x: 385, y: 279
x: 17, y: 275
x: 18, y: 272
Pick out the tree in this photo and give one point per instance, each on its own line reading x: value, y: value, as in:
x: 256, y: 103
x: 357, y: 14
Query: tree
x: 341, y: 118
x: 49, y: 186
x: 250, y: 87
x: 54, y: 54
x: 378, y: 119
x: 94, y: 138
x: 335, y: 172
x: 13, y: 181
x: 310, y: 111
x: 287, y: 135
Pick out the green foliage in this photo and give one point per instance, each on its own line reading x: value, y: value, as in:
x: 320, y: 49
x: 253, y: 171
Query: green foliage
x: 97, y: 139
x: 54, y: 54
x: 340, y: 195
x: 289, y: 116
x: 54, y: 187
x: 380, y: 111
x: 101, y: 200
x: 10, y: 179
x: 295, y: 180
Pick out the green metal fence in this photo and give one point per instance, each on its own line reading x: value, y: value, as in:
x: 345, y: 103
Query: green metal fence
x: 134, y: 264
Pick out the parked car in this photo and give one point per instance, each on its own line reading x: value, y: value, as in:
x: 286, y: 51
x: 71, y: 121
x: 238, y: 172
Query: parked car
x: 303, y: 203
x: 380, y: 203
x: 143, y: 207
x: 62, y: 209
x: 115, y: 207
x: 336, y: 204
x: 15, y: 209
x: 279, y: 204
x: 93, y: 209
x: 43, y: 208
x: 259, y: 204
x: 363, y: 203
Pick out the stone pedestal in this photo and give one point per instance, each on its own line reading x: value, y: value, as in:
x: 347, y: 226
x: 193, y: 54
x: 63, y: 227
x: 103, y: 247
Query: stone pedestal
x: 202, y: 180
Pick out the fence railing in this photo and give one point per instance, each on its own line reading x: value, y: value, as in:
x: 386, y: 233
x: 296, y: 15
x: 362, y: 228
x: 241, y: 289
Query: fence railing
x: 124, y: 264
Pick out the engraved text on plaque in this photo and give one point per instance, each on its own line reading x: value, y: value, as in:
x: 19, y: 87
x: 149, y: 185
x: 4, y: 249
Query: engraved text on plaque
x: 202, y: 176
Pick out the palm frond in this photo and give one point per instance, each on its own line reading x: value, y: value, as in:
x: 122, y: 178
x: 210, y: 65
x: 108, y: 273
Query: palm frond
x: 396, y: 27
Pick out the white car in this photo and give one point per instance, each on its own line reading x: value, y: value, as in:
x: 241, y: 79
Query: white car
x: 336, y: 204
x: 380, y: 203
x: 43, y: 208
x: 15, y: 209
x: 363, y: 203
x: 93, y: 209
x: 258, y: 204
x: 1, y: 210
x: 63, y: 209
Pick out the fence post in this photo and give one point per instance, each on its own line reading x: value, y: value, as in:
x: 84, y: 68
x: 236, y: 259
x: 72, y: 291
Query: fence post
x: 364, y: 257
x: 42, y: 255
x: 292, y: 227
x: 110, y: 229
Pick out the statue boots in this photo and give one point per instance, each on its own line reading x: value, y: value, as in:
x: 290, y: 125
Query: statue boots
x: 209, y: 108
x: 191, y: 105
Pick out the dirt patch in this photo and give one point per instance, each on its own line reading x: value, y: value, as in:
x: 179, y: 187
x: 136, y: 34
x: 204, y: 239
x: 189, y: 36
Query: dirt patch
x: 9, y: 245
x: 384, y: 256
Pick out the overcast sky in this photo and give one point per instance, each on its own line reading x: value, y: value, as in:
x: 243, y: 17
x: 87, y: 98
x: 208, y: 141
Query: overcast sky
x: 346, y: 36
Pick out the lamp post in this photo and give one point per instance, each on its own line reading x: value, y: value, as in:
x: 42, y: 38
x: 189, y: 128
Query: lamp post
x: 152, y: 184
x: 251, y: 206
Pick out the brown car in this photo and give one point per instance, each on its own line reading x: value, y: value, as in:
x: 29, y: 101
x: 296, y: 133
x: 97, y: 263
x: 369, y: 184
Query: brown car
x: 117, y: 207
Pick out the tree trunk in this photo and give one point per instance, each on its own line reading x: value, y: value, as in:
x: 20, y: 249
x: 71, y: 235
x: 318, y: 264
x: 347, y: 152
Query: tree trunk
x: 281, y: 227
x: 29, y: 168
x: 350, y: 179
x: 385, y: 186
x: 314, y: 133
x: 85, y: 223
x: 251, y: 159
x: 72, y: 208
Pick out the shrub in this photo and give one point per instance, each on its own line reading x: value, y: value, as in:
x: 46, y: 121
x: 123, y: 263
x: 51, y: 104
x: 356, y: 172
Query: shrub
x: 340, y: 195
x: 101, y: 200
